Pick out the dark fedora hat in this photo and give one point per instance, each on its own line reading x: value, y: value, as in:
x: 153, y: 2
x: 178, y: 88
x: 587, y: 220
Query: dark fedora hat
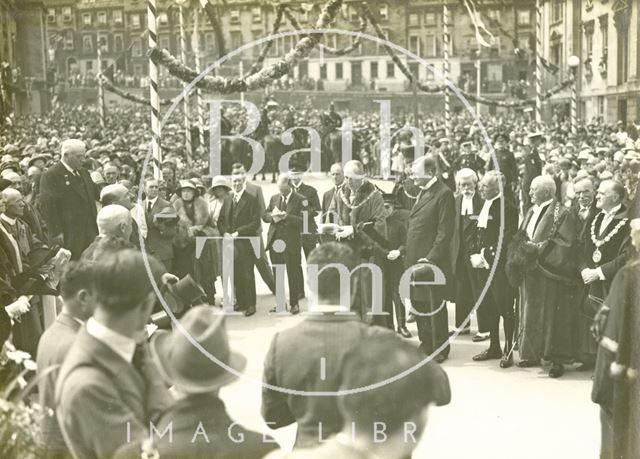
x: 183, y: 293
x: 41, y: 256
x: 187, y: 367
x: 31, y: 283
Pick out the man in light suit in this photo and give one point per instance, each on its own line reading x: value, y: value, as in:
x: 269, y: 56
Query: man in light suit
x: 159, y: 241
x: 68, y: 200
x: 240, y: 216
x: 108, y: 389
x: 55, y: 344
x: 327, y: 336
x: 285, y: 217
x: 429, y: 235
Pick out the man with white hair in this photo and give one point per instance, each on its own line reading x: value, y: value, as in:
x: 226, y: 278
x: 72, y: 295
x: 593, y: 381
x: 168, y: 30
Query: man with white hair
x: 548, y: 291
x: 113, y: 221
x: 120, y: 195
x: 68, y: 200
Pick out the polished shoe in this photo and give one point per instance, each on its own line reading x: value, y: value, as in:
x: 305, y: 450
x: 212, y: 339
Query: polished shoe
x: 487, y: 354
x: 528, y: 363
x: 585, y: 367
x: 478, y: 337
x: 556, y: 370
x: 404, y: 332
x: 440, y: 358
x: 295, y: 309
x: 250, y: 311
x: 275, y: 309
x: 411, y: 318
x: 506, y: 361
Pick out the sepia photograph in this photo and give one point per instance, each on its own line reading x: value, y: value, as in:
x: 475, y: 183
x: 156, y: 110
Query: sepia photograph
x: 319, y: 229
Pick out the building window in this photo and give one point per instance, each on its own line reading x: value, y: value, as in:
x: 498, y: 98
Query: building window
x: 604, y: 32
x: 588, y: 39
x: 66, y: 14
x: 384, y: 12
x: 556, y: 53
x: 256, y: 14
x: 339, y: 74
x: 102, y: 18
x: 234, y: 16
x: 163, y: 18
x: 210, y: 41
x: 103, y: 42
x: 623, y: 55
x: 68, y: 40
x: 165, y: 43
x: 135, y: 21
x: 136, y: 47
x: 374, y: 70
x: 118, y: 43
x: 89, y: 66
x: 117, y: 17
x: 391, y: 70
x: 414, y: 19
x: 494, y: 14
x: 323, y: 71
x: 430, y: 18
x: 353, y: 14
x: 430, y: 46
x: 236, y: 40
x: 86, y: 19
x: 524, y: 17
x: 51, y: 15
x: 414, y: 44
x: 600, y: 105
x: 557, y: 10
x: 87, y: 44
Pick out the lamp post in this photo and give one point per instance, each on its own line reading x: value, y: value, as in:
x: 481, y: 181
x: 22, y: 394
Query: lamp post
x: 574, y: 62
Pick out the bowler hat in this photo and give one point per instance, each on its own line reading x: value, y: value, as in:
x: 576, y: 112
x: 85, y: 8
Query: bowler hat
x: 183, y: 294
x: 197, y: 358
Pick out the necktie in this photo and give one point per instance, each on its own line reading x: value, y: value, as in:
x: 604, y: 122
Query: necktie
x: 236, y: 198
x: 584, y: 213
x: 284, y: 202
x: 149, y: 206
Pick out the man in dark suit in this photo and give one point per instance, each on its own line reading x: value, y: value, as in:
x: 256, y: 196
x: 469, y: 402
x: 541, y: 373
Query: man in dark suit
x: 159, y: 242
x: 240, y: 216
x: 262, y: 263
x: 108, y: 389
x: 320, y: 341
x: 197, y: 420
x: 532, y: 167
x: 500, y: 296
x: 309, y: 240
x: 68, y: 200
x: 337, y: 180
x: 54, y: 346
x: 468, y: 205
x: 607, y: 248
x: 285, y: 217
x: 429, y: 236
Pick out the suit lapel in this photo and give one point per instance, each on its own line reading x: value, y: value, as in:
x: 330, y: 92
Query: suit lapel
x: 425, y: 198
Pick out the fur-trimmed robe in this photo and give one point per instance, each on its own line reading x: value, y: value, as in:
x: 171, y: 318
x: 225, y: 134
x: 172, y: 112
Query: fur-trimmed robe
x: 203, y: 269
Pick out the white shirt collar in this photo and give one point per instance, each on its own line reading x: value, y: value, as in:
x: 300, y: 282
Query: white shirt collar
x: 611, y: 213
x: 537, y: 208
x: 9, y: 220
x: 122, y: 345
x: 289, y: 195
x: 152, y: 201
x: 66, y: 166
x: 239, y: 194
x: 430, y: 183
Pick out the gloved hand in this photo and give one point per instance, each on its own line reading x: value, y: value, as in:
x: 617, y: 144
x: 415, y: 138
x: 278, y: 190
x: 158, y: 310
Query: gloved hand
x: 18, y: 307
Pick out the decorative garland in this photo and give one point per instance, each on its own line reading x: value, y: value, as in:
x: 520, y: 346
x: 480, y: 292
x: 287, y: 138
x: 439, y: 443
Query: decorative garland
x: 108, y: 85
x: 259, y: 80
x: 345, y: 201
x: 212, y: 14
x: 257, y: 65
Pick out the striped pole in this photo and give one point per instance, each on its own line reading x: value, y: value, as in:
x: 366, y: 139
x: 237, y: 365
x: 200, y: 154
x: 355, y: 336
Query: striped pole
x: 574, y: 105
x: 445, y: 40
x: 154, y: 99
x: 101, y: 110
x: 538, y: 62
x: 183, y: 56
x: 196, y: 52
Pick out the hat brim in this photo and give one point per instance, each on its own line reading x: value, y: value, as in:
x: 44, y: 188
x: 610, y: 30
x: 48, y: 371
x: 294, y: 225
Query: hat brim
x: 159, y: 347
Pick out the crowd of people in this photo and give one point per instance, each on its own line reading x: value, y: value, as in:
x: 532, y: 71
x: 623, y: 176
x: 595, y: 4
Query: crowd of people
x: 543, y: 234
